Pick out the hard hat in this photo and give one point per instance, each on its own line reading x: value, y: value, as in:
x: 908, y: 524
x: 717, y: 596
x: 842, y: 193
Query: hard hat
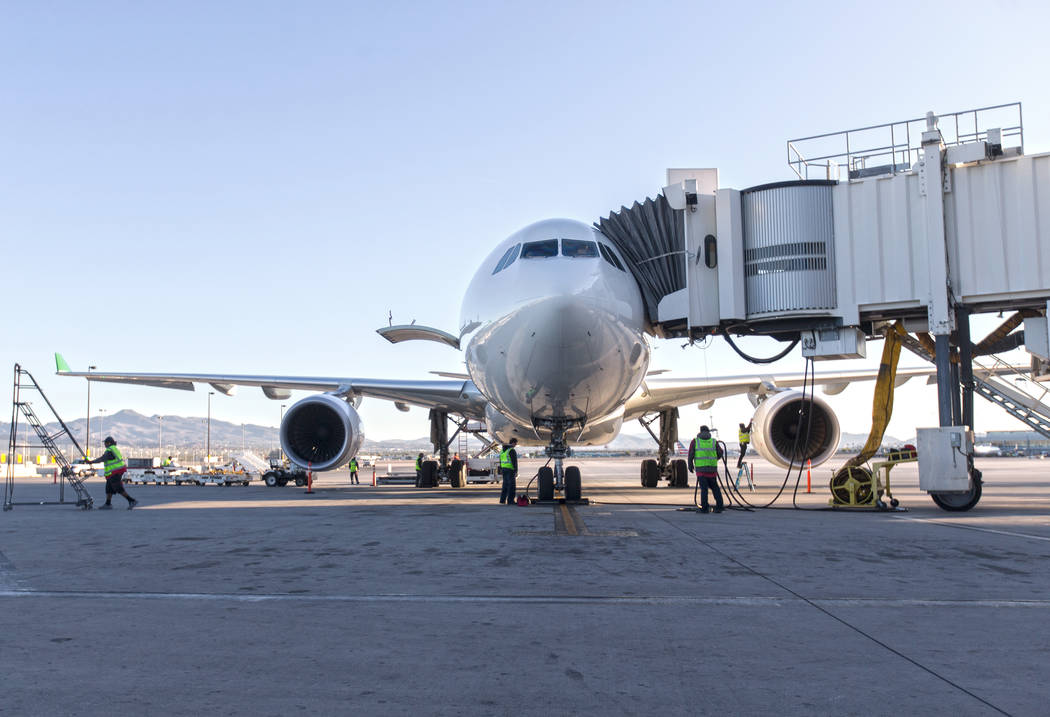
x: 109, y: 441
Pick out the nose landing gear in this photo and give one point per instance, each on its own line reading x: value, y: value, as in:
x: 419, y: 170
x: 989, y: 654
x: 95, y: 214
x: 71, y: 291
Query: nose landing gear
x: 560, y: 478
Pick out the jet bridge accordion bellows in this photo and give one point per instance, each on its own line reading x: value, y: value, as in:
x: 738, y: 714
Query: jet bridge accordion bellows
x: 789, y: 239
x: 651, y: 236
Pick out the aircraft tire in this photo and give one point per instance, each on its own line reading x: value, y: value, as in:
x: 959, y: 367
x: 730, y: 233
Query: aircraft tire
x: 650, y: 473
x: 455, y: 475
x: 680, y: 477
x: 545, y: 483
x: 430, y: 477
x: 573, y: 483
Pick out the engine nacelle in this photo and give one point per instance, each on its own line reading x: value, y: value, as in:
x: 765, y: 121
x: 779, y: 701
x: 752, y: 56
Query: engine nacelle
x: 776, y: 426
x: 321, y: 432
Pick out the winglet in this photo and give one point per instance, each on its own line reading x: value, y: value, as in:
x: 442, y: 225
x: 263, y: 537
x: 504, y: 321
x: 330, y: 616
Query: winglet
x: 60, y: 364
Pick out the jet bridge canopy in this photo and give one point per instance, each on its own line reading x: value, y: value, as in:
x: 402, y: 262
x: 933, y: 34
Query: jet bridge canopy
x: 650, y: 235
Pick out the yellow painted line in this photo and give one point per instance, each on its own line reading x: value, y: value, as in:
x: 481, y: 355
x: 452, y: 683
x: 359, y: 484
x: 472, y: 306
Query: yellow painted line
x: 570, y: 524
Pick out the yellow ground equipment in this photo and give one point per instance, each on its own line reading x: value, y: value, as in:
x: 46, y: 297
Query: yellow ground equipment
x: 853, y: 485
x: 858, y: 487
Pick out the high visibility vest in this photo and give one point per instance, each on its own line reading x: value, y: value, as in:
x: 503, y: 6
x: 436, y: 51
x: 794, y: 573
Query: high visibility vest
x: 353, y: 465
x: 166, y: 463
x: 419, y: 464
x: 116, y: 463
x: 504, y: 460
x: 744, y: 437
x: 705, y: 455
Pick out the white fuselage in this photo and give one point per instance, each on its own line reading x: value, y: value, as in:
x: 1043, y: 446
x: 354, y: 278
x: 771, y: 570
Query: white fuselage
x: 556, y: 334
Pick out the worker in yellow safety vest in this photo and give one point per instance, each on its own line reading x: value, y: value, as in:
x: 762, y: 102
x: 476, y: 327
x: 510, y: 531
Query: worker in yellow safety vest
x: 744, y: 438
x: 353, y: 471
x: 115, y: 467
x: 705, y: 452
x: 419, y: 470
x: 508, y: 466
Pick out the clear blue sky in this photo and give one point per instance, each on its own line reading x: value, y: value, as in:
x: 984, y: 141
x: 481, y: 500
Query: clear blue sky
x: 251, y: 187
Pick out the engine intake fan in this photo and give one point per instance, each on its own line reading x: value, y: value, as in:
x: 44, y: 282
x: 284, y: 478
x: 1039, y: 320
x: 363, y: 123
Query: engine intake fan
x: 321, y: 432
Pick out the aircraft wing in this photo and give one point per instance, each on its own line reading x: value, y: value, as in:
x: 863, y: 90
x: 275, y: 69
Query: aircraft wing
x: 453, y: 396
x: 659, y: 394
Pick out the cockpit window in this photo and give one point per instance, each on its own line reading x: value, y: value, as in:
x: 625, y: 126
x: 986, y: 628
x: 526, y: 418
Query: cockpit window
x: 540, y: 249
x: 578, y: 248
x: 608, y: 255
x: 508, y: 259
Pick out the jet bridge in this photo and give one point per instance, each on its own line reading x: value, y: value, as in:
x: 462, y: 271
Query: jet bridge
x: 924, y: 220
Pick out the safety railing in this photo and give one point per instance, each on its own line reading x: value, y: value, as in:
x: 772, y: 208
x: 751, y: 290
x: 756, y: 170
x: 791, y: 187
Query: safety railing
x: 894, y: 147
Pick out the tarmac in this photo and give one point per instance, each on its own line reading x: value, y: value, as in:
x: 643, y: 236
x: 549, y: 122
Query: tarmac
x: 391, y: 600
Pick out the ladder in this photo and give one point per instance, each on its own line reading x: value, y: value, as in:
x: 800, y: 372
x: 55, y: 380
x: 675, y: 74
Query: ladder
x: 25, y: 381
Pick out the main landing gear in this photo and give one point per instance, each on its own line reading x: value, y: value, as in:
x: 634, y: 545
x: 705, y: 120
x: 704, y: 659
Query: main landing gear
x: 566, y: 479
x: 675, y: 471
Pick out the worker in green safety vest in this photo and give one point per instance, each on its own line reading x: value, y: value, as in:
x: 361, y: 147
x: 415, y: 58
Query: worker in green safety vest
x: 508, y: 466
x: 744, y: 438
x: 353, y: 471
x: 115, y: 467
x: 419, y: 470
x: 704, y: 452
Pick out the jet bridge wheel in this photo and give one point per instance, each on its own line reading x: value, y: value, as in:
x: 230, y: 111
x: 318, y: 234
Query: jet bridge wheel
x: 545, y: 483
x: 650, y: 473
x: 958, y: 502
x: 573, y: 483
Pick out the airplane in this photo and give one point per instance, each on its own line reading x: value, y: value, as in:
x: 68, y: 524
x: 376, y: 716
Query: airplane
x: 556, y: 345
x: 987, y: 449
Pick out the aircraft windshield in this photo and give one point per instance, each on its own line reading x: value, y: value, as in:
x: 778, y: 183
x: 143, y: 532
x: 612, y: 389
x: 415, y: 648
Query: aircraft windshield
x: 508, y: 259
x: 540, y: 249
x: 608, y: 255
x: 578, y: 248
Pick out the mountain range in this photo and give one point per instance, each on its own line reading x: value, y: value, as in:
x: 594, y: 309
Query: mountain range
x: 159, y: 434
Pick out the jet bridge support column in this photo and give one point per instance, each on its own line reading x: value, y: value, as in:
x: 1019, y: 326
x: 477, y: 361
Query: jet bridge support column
x: 952, y: 487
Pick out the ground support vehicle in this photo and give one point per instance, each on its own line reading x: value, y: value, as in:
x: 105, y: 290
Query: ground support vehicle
x: 281, y: 474
x: 223, y: 479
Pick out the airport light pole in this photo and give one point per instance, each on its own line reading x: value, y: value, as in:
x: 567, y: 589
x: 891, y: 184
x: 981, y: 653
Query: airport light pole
x: 160, y: 436
x: 207, y: 457
x: 242, y: 438
x: 87, y: 428
x: 101, y: 427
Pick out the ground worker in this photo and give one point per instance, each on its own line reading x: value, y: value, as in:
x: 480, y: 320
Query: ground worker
x: 508, y: 466
x: 115, y: 467
x: 166, y: 462
x: 705, y: 453
x: 419, y: 470
x: 353, y: 471
x: 744, y: 437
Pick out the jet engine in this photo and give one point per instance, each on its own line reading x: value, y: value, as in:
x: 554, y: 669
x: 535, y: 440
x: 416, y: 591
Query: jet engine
x: 321, y: 432
x: 779, y: 431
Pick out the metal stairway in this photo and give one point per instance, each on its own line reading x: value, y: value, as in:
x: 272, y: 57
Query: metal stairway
x: 1028, y: 407
x: 24, y: 380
